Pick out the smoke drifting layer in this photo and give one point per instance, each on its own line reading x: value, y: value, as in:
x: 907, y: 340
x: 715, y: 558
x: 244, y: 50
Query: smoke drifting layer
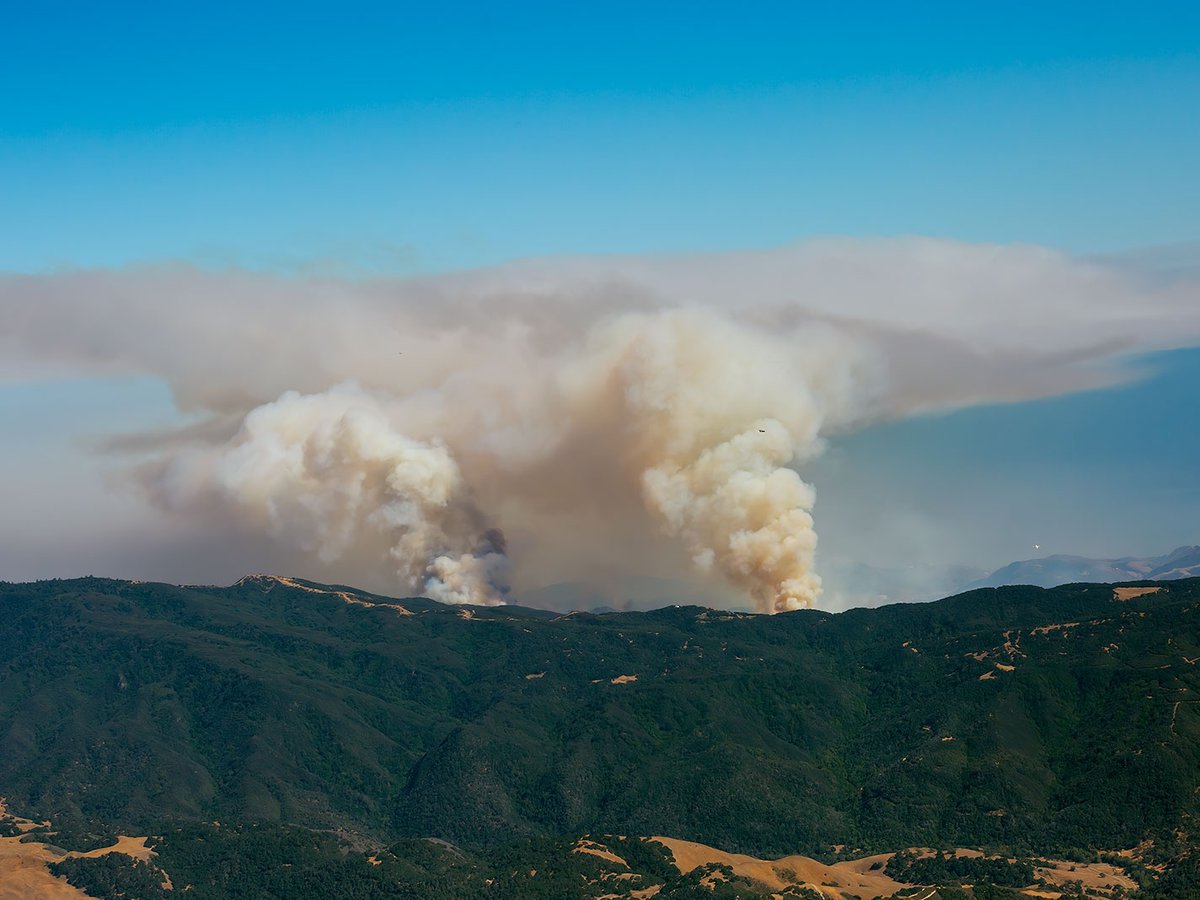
x: 603, y: 413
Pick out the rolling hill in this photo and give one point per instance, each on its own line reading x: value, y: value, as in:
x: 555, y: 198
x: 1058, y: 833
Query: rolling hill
x: 1037, y: 721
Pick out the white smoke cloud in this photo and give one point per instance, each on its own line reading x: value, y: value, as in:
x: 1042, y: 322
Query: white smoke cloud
x: 330, y: 472
x: 715, y: 412
x: 604, y: 412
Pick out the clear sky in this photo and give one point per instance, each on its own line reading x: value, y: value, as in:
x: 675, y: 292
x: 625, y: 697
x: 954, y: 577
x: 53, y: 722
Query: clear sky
x: 417, y: 136
x: 402, y: 138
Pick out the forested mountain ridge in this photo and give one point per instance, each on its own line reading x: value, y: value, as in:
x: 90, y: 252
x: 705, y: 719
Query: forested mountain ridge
x: 1031, y: 719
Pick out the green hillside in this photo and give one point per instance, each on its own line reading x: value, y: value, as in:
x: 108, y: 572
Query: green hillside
x: 1029, y: 719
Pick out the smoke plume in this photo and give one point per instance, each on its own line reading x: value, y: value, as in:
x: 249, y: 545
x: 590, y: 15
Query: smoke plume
x: 330, y: 472
x: 604, y: 413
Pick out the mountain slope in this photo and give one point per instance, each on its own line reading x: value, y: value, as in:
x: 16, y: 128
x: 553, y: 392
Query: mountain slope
x: 1019, y: 716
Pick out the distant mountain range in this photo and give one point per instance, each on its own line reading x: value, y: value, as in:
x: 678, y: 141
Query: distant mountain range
x: 857, y: 584
x: 1051, y: 571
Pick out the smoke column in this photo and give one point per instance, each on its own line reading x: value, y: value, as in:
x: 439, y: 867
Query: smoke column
x: 690, y: 415
x: 469, y: 436
x: 331, y: 471
x: 716, y: 413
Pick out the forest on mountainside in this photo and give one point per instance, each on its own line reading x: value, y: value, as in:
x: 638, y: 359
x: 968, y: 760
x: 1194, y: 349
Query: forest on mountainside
x: 1033, y: 721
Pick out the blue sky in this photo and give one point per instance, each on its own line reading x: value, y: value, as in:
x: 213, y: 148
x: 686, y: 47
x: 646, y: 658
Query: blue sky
x: 1105, y: 473
x: 407, y: 138
x: 404, y: 136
